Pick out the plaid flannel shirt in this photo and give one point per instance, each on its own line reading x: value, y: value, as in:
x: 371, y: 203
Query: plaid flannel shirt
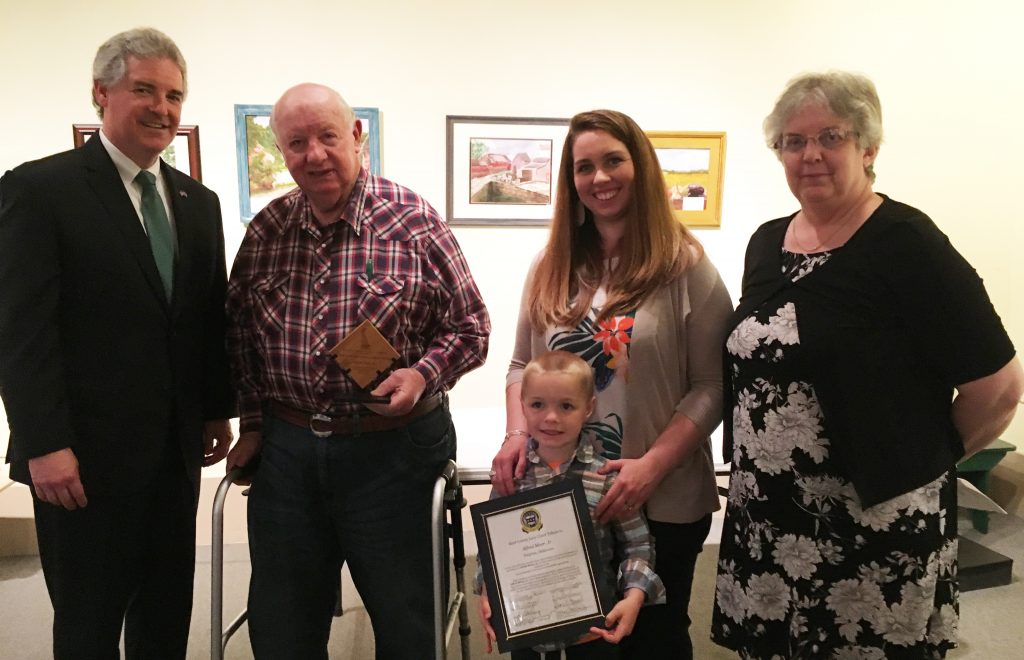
x: 297, y: 288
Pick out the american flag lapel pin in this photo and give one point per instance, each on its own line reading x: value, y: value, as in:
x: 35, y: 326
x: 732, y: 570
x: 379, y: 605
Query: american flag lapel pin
x: 183, y: 193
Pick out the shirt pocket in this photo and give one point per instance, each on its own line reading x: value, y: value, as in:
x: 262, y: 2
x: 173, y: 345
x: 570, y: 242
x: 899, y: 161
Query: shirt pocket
x: 381, y: 302
x: 270, y: 302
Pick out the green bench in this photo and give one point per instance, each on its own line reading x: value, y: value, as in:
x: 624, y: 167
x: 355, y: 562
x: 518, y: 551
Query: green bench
x: 976, y: 470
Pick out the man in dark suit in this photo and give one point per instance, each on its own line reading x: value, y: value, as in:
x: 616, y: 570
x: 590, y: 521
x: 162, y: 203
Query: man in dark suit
x: 112, y: 361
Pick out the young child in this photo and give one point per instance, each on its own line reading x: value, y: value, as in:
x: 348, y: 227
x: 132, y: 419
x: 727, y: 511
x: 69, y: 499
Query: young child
x: 558, y: 397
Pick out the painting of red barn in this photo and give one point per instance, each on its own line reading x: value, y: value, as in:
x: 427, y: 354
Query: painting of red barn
x: 501, y: 170
x: 504, y: 171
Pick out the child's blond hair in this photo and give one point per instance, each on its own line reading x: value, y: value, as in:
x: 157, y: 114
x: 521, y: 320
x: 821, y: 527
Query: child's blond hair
x: 562, y: 362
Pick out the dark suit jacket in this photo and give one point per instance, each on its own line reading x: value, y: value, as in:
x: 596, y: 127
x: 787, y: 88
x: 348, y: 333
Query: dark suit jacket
x: 92, y: 355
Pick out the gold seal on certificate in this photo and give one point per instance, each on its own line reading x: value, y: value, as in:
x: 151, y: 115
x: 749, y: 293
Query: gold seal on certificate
x: 366, y: 356
x: 540, y: 561
x: 531, y: 521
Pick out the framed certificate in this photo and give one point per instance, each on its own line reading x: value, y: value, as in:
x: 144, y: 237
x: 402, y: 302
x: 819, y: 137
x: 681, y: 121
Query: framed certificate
x: 541, y: 564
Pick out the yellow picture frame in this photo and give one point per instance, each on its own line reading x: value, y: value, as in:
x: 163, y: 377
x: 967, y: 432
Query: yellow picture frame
x: 693, y: 164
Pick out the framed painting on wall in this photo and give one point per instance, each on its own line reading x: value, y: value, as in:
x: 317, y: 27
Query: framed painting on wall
x: 692, y: 164
x: 182, y: 153
x: 262, y: 175
x: 502, y: 170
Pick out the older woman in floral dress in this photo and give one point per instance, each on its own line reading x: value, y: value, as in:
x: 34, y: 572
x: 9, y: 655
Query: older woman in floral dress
x: 857, y: 322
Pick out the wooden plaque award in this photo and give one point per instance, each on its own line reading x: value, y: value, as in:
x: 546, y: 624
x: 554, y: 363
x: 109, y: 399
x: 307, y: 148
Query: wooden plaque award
x: 366, y: 357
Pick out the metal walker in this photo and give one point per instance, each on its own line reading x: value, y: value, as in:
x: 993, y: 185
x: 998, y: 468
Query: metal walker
x: 446, y: 523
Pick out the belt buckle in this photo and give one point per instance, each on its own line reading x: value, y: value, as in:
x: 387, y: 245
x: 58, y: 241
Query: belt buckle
x: 317, y: 417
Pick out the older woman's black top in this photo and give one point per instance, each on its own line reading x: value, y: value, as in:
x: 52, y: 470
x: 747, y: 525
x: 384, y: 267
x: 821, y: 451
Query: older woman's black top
x: 889, y: 325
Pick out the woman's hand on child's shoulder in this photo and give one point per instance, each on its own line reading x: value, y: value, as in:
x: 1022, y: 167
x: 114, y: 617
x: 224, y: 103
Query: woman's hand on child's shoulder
x: 509, y: 464
x: 620, y: 621
x: 635, y: 480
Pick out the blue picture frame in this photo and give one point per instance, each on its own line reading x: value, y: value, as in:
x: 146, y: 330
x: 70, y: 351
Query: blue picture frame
x: 275, y: 179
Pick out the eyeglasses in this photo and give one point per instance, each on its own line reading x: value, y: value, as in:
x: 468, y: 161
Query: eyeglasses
x: 828, y: 138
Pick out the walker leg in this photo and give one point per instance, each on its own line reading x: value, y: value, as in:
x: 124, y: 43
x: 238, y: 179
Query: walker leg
x: 219, y: 636
x: 459, y: 561
x: 439, y: 545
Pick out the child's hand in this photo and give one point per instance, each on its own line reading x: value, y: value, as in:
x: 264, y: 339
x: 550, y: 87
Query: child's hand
x: 485, y: 619
x: 622, y: 618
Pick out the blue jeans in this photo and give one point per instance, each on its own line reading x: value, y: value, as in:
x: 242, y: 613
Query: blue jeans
x: 362, y: 499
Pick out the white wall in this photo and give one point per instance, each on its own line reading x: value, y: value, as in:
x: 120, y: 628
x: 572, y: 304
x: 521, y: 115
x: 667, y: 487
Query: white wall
x: 948, y: 76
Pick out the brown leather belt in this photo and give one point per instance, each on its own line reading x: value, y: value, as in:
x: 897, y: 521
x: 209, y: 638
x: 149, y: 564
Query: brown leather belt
x: 323, y: 426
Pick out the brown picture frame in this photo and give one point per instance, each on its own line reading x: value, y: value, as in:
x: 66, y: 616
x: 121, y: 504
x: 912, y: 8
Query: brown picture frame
x: 191, y: 167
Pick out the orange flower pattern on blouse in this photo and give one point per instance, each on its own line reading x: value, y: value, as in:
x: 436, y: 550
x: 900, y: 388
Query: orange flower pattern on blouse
x: 614, y: 334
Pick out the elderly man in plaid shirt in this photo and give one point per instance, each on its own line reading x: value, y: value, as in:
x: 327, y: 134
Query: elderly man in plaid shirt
x: 340, y: 481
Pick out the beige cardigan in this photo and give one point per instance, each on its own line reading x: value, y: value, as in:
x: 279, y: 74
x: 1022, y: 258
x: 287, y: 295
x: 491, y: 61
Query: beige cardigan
x: 676, y: 365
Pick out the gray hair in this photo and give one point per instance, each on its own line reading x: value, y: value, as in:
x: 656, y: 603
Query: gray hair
x: 850, y: 96
x: 109, y: 66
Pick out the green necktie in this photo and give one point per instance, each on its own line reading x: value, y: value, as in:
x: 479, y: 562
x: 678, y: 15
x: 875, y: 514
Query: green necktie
x: 161, y: 240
